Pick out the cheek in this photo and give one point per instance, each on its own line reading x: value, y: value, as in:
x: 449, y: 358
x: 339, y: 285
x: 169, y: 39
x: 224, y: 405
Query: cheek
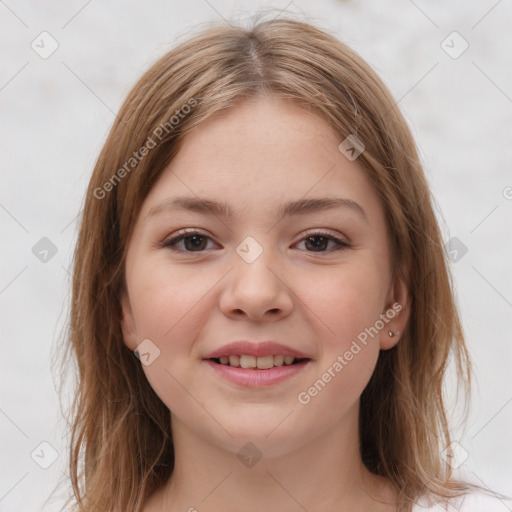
x: 345, y: 300
x: 167, y: 298
x: 170, y: 307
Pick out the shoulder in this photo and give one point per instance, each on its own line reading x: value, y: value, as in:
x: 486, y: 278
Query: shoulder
x: 473, y: 502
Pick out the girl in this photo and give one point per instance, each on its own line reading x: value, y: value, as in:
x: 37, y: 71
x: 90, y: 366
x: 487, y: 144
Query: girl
x: 262, y: 311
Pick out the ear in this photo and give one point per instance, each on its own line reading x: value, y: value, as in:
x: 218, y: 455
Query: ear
x: 128, y: 322
x: 397, y: 312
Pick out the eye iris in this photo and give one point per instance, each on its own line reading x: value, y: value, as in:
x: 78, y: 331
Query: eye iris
x: 319, y: 244
x: 197, y: 242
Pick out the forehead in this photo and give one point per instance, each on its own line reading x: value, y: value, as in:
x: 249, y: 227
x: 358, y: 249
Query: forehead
x: 260, y: 154
x: 274, y: 129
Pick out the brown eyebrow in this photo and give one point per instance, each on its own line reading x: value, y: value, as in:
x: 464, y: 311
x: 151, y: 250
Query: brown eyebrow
x: 298, y: 207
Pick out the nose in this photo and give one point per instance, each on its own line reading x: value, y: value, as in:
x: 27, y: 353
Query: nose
x: 257, y: 290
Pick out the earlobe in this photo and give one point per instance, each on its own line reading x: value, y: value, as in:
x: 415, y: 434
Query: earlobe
x: 127, y: 322
x: 397, y: 312
x: 389, y: 339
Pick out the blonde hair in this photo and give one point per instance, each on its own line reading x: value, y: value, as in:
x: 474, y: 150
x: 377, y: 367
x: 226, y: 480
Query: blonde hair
x: 121, y: 447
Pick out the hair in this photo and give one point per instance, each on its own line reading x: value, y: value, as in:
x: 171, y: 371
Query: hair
x: 121, y: 448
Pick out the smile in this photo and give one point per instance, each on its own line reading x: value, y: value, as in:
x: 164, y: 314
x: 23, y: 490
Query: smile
x: 251, y: 371
x: 261, y: 362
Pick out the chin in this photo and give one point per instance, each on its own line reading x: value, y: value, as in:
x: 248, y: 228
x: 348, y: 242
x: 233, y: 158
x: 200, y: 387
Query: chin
x: 272, y: 438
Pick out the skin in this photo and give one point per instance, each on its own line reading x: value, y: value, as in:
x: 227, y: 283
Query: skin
x: 254, y: 157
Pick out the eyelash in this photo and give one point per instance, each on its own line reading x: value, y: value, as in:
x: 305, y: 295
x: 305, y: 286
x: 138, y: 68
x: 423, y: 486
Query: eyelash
x: 183, y: 234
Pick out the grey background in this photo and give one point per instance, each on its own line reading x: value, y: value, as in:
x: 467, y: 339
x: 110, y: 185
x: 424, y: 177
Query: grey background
x: 54, y: 117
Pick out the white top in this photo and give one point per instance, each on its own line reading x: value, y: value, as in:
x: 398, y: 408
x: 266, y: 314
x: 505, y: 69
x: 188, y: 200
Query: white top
x: 474, y: 502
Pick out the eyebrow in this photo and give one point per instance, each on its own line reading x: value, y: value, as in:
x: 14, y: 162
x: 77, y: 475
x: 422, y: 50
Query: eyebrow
x: 292, y: 208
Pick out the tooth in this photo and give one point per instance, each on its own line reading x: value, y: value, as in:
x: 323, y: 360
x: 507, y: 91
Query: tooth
x: 262, y: 362
x: 265, y: 362
x: 248, y: 361
x: 278, y: 360
x: 234, y: 360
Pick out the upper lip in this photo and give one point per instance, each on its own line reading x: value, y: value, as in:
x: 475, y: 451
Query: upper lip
x: 258, y: 349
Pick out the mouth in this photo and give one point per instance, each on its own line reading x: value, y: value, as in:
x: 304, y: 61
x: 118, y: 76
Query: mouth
x: 257, y: 372
x: 257, y: 363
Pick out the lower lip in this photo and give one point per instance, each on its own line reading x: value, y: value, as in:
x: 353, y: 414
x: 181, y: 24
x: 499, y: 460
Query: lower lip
x: 257, y: 378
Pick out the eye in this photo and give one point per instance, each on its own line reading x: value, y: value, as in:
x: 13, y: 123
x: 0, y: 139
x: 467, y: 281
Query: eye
x: 319, y: 240
x: 195, y: 241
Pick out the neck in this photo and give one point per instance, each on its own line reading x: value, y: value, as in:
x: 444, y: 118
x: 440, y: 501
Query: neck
x: 326, y: 474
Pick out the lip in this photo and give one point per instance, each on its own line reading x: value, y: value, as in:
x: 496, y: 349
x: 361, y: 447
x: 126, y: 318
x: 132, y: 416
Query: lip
x: 257, y: 349
x: 258, y: 378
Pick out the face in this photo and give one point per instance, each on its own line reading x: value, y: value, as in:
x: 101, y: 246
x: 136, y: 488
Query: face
x: 316, y: 280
